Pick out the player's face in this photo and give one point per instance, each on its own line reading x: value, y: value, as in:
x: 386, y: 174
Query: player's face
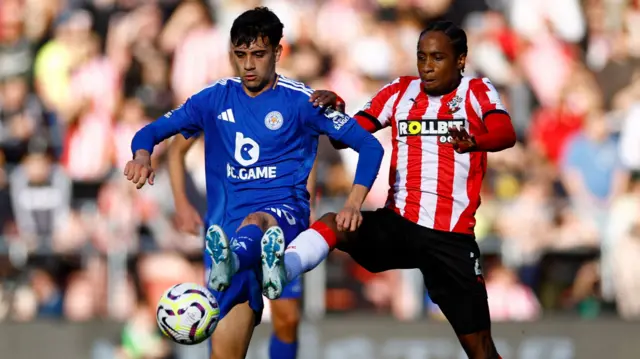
x: 256, y: 64
x: 438, y: 65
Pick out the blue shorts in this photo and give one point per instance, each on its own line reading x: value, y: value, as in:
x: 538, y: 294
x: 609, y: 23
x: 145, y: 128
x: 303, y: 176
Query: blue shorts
x: 247, y: 285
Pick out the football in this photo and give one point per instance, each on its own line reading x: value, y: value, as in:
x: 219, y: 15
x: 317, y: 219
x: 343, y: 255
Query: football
x: 187, y: 313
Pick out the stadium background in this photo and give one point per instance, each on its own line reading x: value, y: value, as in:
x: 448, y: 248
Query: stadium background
x: 84, y: 257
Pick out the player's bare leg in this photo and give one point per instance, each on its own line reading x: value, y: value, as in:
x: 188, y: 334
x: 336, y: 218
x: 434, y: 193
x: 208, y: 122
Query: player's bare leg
x: 479, y: 345
x: 286, y: 318
x: 233, y: 334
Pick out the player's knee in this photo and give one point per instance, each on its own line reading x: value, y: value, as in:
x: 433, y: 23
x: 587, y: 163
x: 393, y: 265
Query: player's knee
x: 328, y: 219
x: 260, y: 219
x: 285, y: 324
x: 342, y: 238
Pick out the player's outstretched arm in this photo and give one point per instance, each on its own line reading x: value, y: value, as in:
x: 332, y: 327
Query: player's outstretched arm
x: 187, y: 217
x: 164, y: 127
x: 340, y: 127
x: 371, y: 153
x: 186, y: 119
x: 139, y: 170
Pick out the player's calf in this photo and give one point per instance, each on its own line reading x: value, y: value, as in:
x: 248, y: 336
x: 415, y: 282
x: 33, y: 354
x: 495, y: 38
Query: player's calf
x: 479, y: 345
x: 469, y: 317
x: 233, y: 334
x: 286, y: 318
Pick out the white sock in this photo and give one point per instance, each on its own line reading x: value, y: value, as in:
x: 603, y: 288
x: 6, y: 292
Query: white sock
x: 304, y: 253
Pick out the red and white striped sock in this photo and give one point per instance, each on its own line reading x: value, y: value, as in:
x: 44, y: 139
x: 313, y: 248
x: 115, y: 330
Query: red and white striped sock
x: 309, y: 249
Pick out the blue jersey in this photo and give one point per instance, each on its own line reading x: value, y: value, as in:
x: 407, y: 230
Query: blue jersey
x: 265, y: 146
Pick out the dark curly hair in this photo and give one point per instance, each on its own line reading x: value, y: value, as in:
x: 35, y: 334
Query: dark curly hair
x: 256, y: 23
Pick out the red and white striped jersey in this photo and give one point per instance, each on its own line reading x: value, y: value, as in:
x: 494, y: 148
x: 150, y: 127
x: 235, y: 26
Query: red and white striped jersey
x: 431, y: 184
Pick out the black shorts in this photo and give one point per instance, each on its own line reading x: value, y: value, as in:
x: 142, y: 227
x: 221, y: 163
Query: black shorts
x: 449, y: 262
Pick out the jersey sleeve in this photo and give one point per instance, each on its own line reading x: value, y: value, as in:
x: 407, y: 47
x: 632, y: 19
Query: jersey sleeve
x: 485, y: 99
x: 191, y: 114
x: 377, y: 113
x: 327, y: 121
x: 187, y: 119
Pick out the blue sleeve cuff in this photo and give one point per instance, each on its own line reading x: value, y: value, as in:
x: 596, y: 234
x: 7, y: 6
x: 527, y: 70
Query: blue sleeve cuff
x: 371, y: 153
x: 369, y: 149
x: 143, y: 140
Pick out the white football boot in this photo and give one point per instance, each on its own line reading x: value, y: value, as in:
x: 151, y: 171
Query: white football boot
x: 217, y: 246
x: 274, y: 276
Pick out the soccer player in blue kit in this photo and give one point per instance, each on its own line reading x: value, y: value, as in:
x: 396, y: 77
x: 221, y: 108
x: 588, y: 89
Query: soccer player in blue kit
x: 263, y: 129
x: 285, y: 311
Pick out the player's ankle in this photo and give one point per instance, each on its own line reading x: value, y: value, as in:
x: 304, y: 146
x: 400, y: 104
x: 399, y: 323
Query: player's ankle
x: 281, y: 349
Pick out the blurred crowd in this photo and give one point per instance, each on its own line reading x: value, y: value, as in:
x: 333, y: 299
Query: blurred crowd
x: 559, y: 216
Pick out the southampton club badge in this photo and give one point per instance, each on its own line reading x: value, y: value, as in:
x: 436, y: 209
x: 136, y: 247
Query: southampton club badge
x: 273, y: 120
x: 454, y: 104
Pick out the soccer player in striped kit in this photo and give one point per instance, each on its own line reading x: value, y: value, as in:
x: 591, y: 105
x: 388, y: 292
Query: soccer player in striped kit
x: 443, y: 124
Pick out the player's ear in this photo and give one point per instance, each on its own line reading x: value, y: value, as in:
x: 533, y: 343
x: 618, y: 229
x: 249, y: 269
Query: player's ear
x: 462, y: 61
x: 278, y: 52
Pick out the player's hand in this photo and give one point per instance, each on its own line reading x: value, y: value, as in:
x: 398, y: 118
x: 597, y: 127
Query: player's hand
x: 325, y: 98
x: 187, y: 218
x: 349, y: 219
x: 139, y: 170
x: 461, y: 140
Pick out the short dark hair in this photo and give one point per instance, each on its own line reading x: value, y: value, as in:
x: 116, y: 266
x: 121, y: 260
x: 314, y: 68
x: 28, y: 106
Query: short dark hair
x: 256, y: 23
x: 457, y: 36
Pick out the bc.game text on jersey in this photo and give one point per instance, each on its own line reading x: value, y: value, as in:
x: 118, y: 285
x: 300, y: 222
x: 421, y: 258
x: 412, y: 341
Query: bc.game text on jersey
x: 251, y: 173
